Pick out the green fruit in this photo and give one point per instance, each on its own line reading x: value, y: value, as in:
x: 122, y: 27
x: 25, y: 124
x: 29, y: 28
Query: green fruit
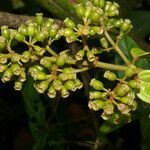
x: 68, y: 32
x: 3, y: 67
x: 46, y: 62
x: 108, y: 108
x: 70, y: 85
x: 129, y: 72
x: 69, y: 23
x: 96, y: 84
x: 48, y: 23
x: 60, y: 61
x: 15, y: 57
x: 42, y: 86
x: 2, y: 42
x: 5, y: 31
x: 3, y: 58
x: 95, y: 95
x: 18, y: 85
x: 90, y: 55
x: 51, y: 92
x: 80, y: 54
x: 96, y: 104
x: 118, y: 23
x: 108, y: 4
x: 39, y: 75
x: 134, y: 84
x: 110, y: 76
x: 57, y: 84
x: 78, y: 83
x: 31, y: 30
x: 16, y: 69
x: 25, y: 57
x: 23, y: 29
x: 101, y: 3
x: 40, y: 36
x: 20, y: 37
x: 125, y: 25
x: 64, y: 92
x: 80, y: 10
x: 39, y: 18
x: 104, y: 42
x: 94, y: 16
x: 8, y: 74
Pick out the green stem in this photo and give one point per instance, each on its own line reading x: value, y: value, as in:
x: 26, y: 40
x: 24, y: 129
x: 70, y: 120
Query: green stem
x: 109, y: 66
x: 51, y: 51
x: 114, y: 44
x: 82, y: 69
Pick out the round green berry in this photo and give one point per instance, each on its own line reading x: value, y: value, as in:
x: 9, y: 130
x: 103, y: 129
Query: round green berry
x: 69, y: 23
x: 39, y: 18
x: 96, y: 84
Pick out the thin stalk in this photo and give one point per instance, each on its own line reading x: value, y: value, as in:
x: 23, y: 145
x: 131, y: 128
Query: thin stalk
x: 51, y: 51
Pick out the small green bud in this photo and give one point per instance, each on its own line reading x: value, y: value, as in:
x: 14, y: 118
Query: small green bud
x: 7, y: 75
x: 53, y: 31
x: 68, y: 32
x: 80, y: 10
x: 96, y: 104
x: 96, y: 84
x: 64, y: 92
x: 69, y: 23
x: 104, y: 42
x: 23, y: 29
x: 90, y: 55
x: 31, y: 30
x: 5, y: 31
x: 96, y: 2
x: 3, y: 58
x: 129, y: 72
x: 70, y: 85
x: 39, y: 75
x: 39, y: 50
x: 124, y: 109
x: 101, y: 3
x: 69, y: 70
x: 117, y: 23
x: 94, y: 16
x: 40, y: 36
x: 3, y: 67
x: 110, y: 76
x: 20, y: 37
x: 60, y: 61
x: 108, y: 4
x: 16, y: 69
x: 134, y: 84
x: 62, y: 77
x: 57, y: 84
x: 2, y: 42
x: 125, y: 100
x: 51, y: 92
x: 18, y: 85
x: 108, y: 108
x: 25, y: 57
x: 78, y: 83
x: 80, y: 54
x: 95, y: 95
x: 46, y: 62
x: 125, y: 25
x: 39, y: 18
x: 49, y: 22
x: 98, y: 30
x: 22, y: 76
x: 122, y: 90
x: 73, y: 37
x: 15, y: 57
x: 42, y: 86
x: 87, y: 12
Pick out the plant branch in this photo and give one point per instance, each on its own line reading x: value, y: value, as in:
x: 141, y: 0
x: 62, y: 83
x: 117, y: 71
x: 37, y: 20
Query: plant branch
x: 14, y: 20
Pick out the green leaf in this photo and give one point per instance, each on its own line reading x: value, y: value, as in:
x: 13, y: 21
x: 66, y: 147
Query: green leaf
x: 144, y: 94
x: 138, y: 52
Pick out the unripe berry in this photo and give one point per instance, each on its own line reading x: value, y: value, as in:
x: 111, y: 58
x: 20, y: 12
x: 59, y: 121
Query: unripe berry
x: 51, y: 92
x: 122, y: 90
x: 90, y: 55
x: 108, y: 108
x: 23, y: 29
x: 134, y: 84
x: 20, y: 37
x: 95, y: 95
x: 94, y: 16
x: 15, y: 57
x: 80, y: 54
x: 64, y: 92
x: 39, y: 75
x: 3, y: 67
x: 125, y: 25
x: 124, y: 109
x: 68, y: 32
x: 78, y: 83
x: 16, y: 69
x: 70, y: 85
x: 104, y: 42
x: 39, y: 50
x: 2, y: 42
x: 57, y: 84
x: 62, y: 77
x: 25, y: 57
x: 130, y: 71
x: 39, y: 18
x: 46, y: 62
x: 48, y: 23
x: 69, y: 23
x: 7, y: 75
x: 18, y: 85
x: 22, y: 76
x: 53, y: 31
x: 31, y: 29
x: 98, y: 30
x: 80, y: 10
x: 96, y: 104
x: 110, y: 76
x: 118, y: 23
x: 60, y: 61
x: 101, y: 3
x: 40, y: 36
x: 5, y: 32
x: 42, y: 86
x: 96, y: 84
x: 107, y: 5
x: 3, y: 58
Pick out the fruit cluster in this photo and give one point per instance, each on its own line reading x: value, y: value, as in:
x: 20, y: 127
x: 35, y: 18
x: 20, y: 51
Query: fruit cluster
x: 28, y: 51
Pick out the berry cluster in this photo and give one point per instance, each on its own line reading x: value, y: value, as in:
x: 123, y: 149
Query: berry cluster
x: 56, y: 72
